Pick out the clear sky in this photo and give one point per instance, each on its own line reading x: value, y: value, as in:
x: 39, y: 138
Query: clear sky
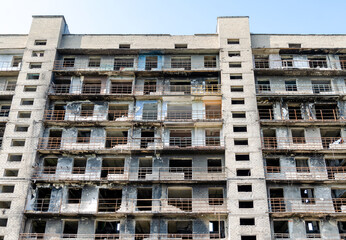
x: 178, y: 17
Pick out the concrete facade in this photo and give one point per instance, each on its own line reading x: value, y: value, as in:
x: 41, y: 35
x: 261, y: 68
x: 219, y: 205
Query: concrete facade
x: 229, y: 135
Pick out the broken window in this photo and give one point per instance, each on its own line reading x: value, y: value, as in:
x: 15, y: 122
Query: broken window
x: 116, y: 111
x: 49, y: 165
x: 266, y: 112
x: 43, y: 199
x: 291, y: 86
x: 180, y: 138
x: 35, y: 65
x: 3, y: 222
x: 244, y: 188
x: 247, y: 221
x: 40, y: 42
x: 83, y: 136
x: 180, y: 197
x: 245, y: 204
x: 327, y: 111
x: 87, y: 110
x: 214, y: 165
x: 243, y: 172
x: 295, y: 112
x: 312, y: 229
x: 234, y: 65
x: 5, y: 110
x: 298, y: 136
x: 38, y: 226
x: 213, y: 111
x: 180, y: 87
x: 18, y: 143
x: 269, y: 138
x: 307, y: 195
x: 302, y: 165
x: 210, y: 61
x: 241, y: 142
x: 212, y: 137
x: 342, y: 228
x: 217, y: 229
x: 144, y: 199
x: 149, y: 111
x: 261, y: 61
x: 70, y: 229
x: 37, y: 54
x: 124, y: 46
x: 121, y: 87
x: 62, y: 85
x: 238, y: 101
x: 15, y: 157
x: 107, y: 228
x: 149, y: 87
x: 74, y: 195
x: 232, y: 41
x: 147, y: 137
x: 181, y: 229
x: 181, y: 166
x: 79, y: 165
x: 281, y: 229
x: 215, y: 196
x: 121, y: 63
x: 181, y: 62
x: 179, y: 112
x: 91, y: 86
x: 234, y: 54
x: 287, y: 61
x: 109, y: 200
x: 114, y: 138
x: 238, y: 114
x: 145, y: 166
x: 16, y: 61
x: 263, y: 86
x: 94, y: 62
x: 6, y: 188
x: 150, y: 62
x: 330, y: 137
x: 236, y: 76
x: 180, y: 46
x: 317, y: 61
x: 320, y: 86
x: 273, y: 165
x: 112, y: 166
x: 294, y: 45
x: 68, y: 62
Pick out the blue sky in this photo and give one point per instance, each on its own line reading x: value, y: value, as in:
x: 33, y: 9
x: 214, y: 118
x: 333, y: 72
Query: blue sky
x: 178, y: 17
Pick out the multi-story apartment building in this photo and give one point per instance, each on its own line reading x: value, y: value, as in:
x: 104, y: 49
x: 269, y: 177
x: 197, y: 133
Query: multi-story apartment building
x: 210, y: 136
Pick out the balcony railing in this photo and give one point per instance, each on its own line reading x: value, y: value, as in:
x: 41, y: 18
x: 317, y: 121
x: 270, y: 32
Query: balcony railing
x: 8, y: 66
x: 124, y: 143
x: 116, y: 205
x: 300, y: 64
x: 307, y: 205
x: 305, y: 173
x: 318, y: 115
x: 132, y: 174
x: 294, y: 89
x: 153, y: 236
x: 303, y: 143
x: 126, y: 115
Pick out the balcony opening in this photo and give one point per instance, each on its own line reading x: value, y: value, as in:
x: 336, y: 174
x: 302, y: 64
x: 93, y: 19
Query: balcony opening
x: 179, y: 112
x: 49, y: 165
x: 307, y: 195
x: 107, y: 229
x: 150, y: 62
x: 83, y: 136
x: 116, y: 111
x: 281, y: 229
x: 295, y: 112
x: 145, y: 166
x: 181, y: 62
x: 266, y: 112
x: 210, y: 61
x: 121, y: 87
x: 115, y: 138
x: 243, y: 173
x: 147, y: 138
x: 142, y: 230
x: 213, y: 111
x: 217, y: 229
x: 312, y: 229
x: 298, y: 136
x: 70, y: 229
x: 38, y: 227
x: 122, y: 63
x: 54, y: 141
x: 212, y: 137
x: 331, y: 137
x: 62, y: 85
x: 321, y: 86
x: 144, y: 199
x: 58, y: 113
x: 74, y: 195
x: 149, y: 87
x: 215, y: 196
x: 327, y: 111
x: 214, y: 166
x: 181, y: 166
x: 79, y: 165
x: 94, y: 62
x: 180, y: 138
x: 109, y: 200
x: 43, y: 196
x: 342, y: 59
x: 180, y: 87
x: 112, y: 166
x: 87, y: 110
x: 247, y: 221
x: 180, y: 197
x: 269, y: 138
x: 245, y: 188
x: 261, y: 61
x: 68, y: 62
x: 276, y: 198
x: 287, y: 62
x: 273, y: 165
x: 302, y: 165
x: 180, y: 229
x: 335, y: 166
x: 149, y: 111
x: 342, y: 228
x: 91, y: 86
x: 263, y: 86
x: 291, y: 86
x: 317, y: 61
x: 338, y: 196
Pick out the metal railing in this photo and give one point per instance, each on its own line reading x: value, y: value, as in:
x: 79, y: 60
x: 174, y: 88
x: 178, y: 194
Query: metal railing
x: 126, y: 115
x: 297, y: 89
x: 125, y: 89
x: 132, y: 174
x: 8, y: 66
x: 318, y: 115
x: 303, y: 143
x: 307, y: 205
x: 294, y: 64
x: 305, y: 173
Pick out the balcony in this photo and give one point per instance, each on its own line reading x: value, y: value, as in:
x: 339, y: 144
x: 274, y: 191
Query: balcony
x: 299, y: 89
x: 299, y: 64
x: 158, y: 236
x: 183, y: 174
x: 307, y: 205
x: 6, y: 66
x: 306, y: 173
x: 130, y: 206
x: 303, y: 143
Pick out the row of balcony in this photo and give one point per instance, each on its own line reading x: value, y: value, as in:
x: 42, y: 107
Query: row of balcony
x: 294, y: 89
x: 129, y: 89
x: 126, y: 115
x: 134, y: 174
x: 300, y: 64
x: 124, y: 143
